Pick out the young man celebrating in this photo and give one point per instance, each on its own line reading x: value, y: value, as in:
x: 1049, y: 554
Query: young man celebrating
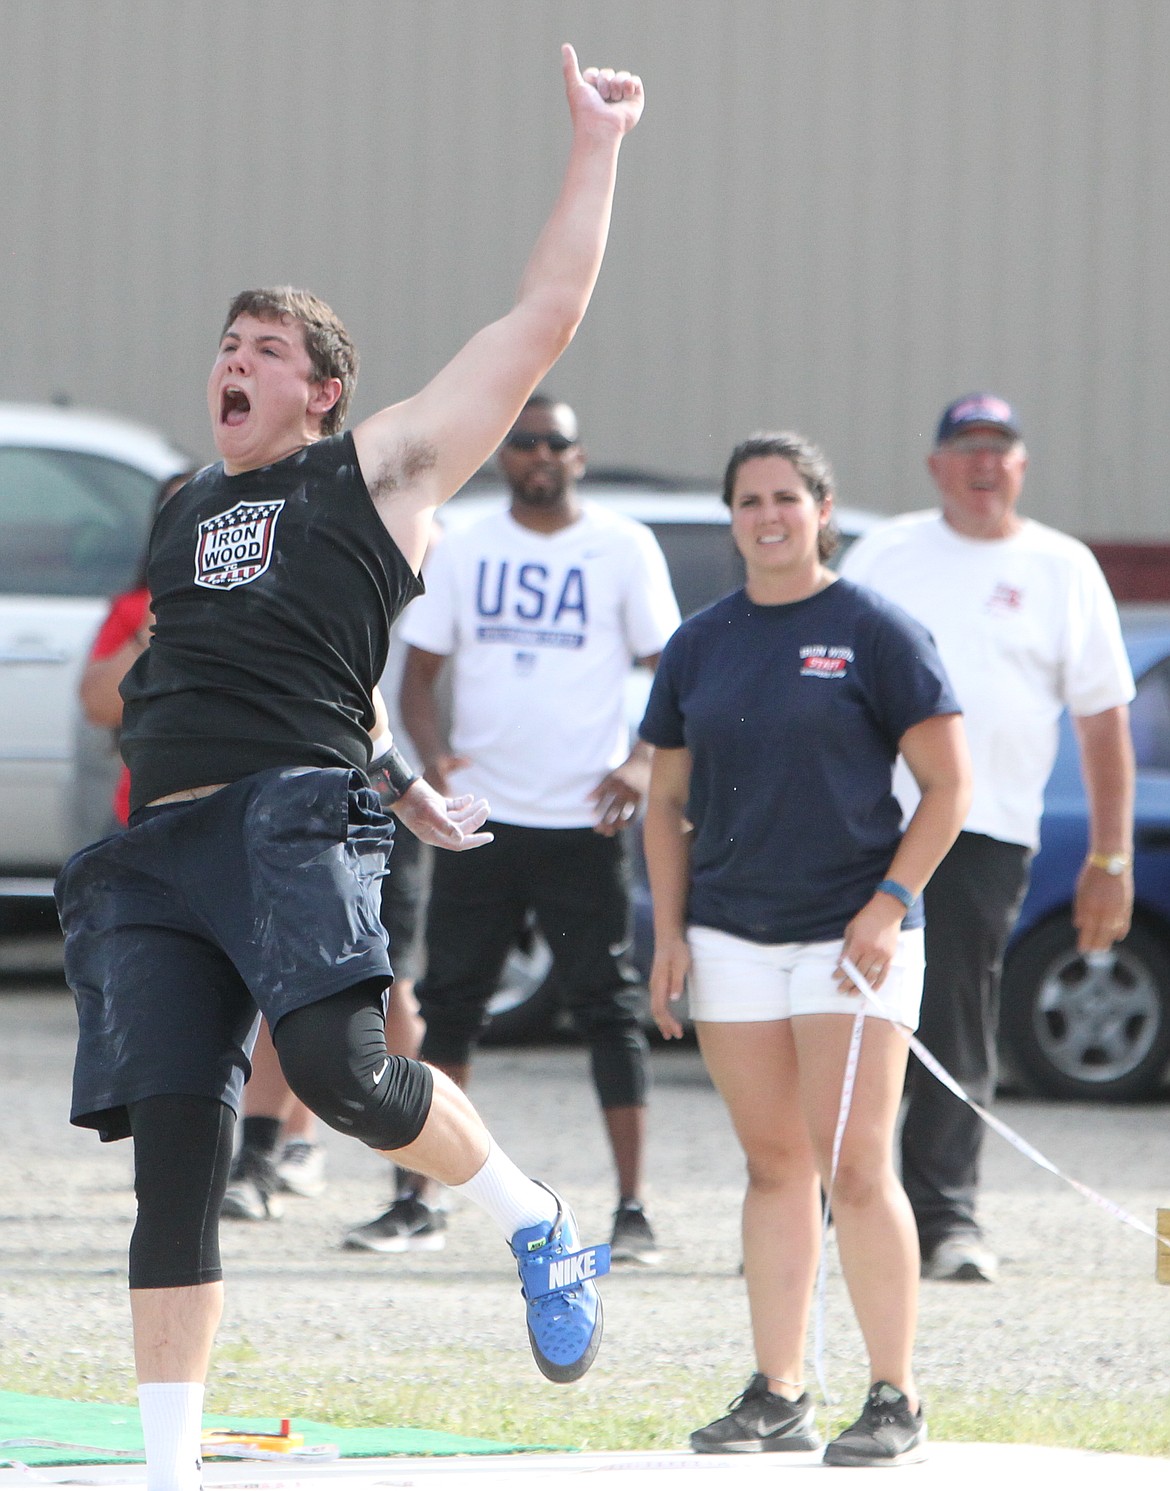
x: 249, y: 878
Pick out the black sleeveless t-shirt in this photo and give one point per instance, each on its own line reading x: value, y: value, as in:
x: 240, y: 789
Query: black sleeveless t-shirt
x: 274, y: 592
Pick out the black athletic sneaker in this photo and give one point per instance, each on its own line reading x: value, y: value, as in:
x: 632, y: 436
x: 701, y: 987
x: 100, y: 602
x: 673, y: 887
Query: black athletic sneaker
x: 410, y: 1226
x: 760, y: 1420
x: 887, y: 1433
x: 633, y: 1239
x: 251, y: 1195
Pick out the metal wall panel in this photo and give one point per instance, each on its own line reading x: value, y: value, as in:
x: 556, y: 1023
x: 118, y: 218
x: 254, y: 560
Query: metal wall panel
x: 837, y: 215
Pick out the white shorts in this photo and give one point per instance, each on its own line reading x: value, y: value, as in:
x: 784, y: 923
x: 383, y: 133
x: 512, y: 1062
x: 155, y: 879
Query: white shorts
x: 734, y: 980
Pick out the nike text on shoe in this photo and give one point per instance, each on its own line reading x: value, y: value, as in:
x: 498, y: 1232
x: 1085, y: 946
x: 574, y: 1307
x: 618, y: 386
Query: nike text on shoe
x: 410, y: 1226
x: 887, y: 1433
x: 251, y: 1195
x: 760, y: 1420
x: 562, y: 1303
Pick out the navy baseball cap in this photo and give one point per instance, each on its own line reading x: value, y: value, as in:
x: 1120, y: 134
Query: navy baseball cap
x: 977, y: 409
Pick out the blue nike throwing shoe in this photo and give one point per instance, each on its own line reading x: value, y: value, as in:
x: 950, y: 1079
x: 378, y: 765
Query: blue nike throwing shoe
x: 557, y: 1281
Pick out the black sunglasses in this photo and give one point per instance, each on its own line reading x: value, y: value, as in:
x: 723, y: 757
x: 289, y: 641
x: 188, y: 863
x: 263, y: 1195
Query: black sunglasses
x: 557, y: 443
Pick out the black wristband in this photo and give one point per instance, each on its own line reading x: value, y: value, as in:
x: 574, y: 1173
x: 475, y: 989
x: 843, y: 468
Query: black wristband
x: 391, y: 775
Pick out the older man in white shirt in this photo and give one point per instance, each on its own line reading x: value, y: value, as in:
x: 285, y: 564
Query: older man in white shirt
x: 1027, y: 627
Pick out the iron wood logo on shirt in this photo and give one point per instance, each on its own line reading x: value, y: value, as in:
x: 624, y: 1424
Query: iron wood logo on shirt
x: 818, y: 660
x: 235, y: 546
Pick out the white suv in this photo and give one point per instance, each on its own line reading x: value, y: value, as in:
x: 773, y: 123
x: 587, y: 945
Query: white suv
x: 76, y: 492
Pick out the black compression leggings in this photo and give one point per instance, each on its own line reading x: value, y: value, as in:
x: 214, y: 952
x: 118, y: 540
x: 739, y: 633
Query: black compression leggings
x: 182, y: 1155
x: 334, y: 1056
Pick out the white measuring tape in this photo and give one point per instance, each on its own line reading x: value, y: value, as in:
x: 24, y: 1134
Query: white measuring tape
x: 936, y: 1069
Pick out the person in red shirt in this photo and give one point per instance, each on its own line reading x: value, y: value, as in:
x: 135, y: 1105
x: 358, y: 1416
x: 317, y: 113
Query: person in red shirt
x: 122, y: 636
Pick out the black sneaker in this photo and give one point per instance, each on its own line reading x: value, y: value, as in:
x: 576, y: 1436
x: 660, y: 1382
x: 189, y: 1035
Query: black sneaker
x: 633, y: 1239
x: 962, y: 1257
x: 760, y: 1420
x: 251, y: 1195
x: 409, y: 1226
x: 887, y: 1433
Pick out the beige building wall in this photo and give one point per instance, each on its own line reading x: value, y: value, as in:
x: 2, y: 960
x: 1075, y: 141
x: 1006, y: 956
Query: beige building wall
x: 837, y: 215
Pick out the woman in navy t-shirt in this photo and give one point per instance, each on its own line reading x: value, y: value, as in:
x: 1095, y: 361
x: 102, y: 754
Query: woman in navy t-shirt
x: 775, y: 852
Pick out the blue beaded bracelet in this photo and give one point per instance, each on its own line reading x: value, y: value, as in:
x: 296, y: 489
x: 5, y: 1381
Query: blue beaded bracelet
x: 899, y: 892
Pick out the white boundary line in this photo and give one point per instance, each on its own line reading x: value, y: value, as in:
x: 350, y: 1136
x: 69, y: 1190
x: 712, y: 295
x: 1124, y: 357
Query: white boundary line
x: 950, y: 1467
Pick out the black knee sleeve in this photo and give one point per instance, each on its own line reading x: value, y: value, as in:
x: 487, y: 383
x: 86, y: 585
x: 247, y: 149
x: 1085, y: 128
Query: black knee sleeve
x: 182, y: 1155
x: 333, y: 1054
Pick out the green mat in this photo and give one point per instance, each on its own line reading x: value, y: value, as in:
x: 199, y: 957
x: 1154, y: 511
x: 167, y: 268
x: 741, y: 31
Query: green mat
x: 105, y: 1428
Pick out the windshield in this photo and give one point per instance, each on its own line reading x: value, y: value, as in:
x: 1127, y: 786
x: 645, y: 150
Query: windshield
x: 70, y: 523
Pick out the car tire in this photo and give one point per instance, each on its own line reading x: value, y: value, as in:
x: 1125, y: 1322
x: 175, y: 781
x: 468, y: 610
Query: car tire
x: 1083, y: 1029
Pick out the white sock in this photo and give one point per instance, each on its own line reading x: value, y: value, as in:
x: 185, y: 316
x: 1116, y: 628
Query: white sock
x: 507, y: 1195
x: 172, y: 1430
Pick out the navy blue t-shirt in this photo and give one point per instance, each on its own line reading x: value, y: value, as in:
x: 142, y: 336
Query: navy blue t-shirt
x: 792, y: 715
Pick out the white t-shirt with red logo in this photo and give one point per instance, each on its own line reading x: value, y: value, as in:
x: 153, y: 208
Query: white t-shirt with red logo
x: 1026, y: 627
x: 542, y: 629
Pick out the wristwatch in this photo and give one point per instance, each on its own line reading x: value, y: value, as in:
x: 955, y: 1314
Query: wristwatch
x: 1112, y: 864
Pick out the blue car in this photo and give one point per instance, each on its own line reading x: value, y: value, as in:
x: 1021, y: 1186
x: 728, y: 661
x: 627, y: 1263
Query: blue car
x: 1099, y: 1027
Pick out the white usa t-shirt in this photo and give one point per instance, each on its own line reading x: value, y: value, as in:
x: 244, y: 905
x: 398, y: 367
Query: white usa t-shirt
x: 542, y: 629
x: 1026, y: 627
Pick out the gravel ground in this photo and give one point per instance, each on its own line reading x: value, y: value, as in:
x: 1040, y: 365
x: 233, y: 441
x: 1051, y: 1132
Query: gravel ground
x: 1077, y: 1312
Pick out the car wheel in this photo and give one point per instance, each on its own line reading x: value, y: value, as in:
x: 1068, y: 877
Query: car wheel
x: 1093, y: 1027
x: 524, y: 1006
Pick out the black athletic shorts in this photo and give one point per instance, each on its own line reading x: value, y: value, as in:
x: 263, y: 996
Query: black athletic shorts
x: 404, y: 894
x: 263, y: 896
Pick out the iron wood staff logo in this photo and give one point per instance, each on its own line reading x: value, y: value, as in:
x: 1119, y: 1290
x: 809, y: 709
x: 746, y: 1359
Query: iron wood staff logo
x: 235, y: 546
x: 818, y: 660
